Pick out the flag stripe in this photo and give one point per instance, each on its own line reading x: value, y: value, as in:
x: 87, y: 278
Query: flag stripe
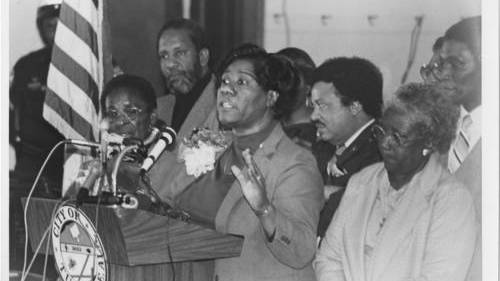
x: 71, y: 94
x: 55, y: 119
x: 75, y: 77
x: 81, y: 27
x: 66, y: 113
x: 79, y: 51
x: 76, y: 74
x: 86, y: 9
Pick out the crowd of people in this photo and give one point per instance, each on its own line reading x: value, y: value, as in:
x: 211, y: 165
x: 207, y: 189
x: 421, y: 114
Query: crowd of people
x: 322, y: 179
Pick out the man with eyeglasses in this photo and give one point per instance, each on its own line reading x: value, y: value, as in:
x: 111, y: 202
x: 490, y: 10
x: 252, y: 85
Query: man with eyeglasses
x: 457, y: 68
x: 347, y: 98
x: 426, y: 71
x: 190, y: 86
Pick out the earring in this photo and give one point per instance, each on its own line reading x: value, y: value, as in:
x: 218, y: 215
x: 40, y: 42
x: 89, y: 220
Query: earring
x: 426, y: 151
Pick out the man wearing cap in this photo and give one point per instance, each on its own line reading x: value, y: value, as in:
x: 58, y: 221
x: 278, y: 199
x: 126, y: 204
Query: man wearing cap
x: 34, y: 137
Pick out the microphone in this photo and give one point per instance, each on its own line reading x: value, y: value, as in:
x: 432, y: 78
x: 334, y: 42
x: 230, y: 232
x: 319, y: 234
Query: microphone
x: 167, y: 137
x: 83, y: 143
x: 155, y: 132
x: 116, y: 140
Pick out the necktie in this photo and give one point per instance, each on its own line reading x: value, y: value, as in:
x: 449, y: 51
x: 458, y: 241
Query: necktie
x: 461, y: 146
x: 332, y: 168
x: 340, y: 149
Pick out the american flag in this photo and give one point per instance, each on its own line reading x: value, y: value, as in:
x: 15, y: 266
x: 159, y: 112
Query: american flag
x: 76, y: 76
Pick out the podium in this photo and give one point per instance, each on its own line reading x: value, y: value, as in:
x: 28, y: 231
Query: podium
x: 137, y: 245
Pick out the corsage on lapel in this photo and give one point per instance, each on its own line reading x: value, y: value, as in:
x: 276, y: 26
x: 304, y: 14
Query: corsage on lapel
x: 200, y: 150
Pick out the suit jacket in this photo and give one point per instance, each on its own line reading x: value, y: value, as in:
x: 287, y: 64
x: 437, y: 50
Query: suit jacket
x: 294, y: 188
x: 429, y: 236
x: 202, y: 114
x: 362, y: 152
x: 470, y: 174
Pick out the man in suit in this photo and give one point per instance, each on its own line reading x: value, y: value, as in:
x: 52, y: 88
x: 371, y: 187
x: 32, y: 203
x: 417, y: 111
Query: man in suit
x: 184, y: 60
x: 347, y: 97
x: 458, y: 68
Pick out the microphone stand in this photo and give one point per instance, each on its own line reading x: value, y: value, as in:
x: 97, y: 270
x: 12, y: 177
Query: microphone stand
x: 117, y: 164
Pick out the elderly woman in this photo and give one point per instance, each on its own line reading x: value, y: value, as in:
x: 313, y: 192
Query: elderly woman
x: 262, y: 186
x: 129, y: 106
x: 406, y: 218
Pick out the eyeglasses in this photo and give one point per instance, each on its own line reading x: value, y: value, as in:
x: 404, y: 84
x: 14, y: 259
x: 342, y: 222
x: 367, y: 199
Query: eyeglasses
x: 437, y: 67
x: 399, y: 139
x: 131, y: 113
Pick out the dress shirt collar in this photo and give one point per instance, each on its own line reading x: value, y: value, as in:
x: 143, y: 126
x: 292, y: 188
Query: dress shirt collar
x: 350, y: 140
x: 474, y: 131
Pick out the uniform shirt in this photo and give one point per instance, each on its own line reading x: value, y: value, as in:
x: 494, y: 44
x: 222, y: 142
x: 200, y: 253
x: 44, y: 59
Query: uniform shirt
x: 37, y: 136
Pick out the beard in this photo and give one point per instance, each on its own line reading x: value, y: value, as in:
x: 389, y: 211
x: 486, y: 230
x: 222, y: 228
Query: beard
x: 181, y: 82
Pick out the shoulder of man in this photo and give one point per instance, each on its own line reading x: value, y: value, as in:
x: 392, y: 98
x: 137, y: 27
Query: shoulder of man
x: 38, y: 56
x: 290, y: 152
x: 165, y: 107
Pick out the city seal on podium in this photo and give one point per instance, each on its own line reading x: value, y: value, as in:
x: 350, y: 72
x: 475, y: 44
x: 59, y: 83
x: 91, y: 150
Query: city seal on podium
x: 78, y: 249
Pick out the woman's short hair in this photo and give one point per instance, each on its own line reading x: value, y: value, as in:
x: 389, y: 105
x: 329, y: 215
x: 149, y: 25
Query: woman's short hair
x: 273, y: 73
x: 137, y: 86
x: 433, y: 113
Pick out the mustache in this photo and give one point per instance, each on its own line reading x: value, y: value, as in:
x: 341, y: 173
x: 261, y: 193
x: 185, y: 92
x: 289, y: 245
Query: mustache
x: 175, y: 74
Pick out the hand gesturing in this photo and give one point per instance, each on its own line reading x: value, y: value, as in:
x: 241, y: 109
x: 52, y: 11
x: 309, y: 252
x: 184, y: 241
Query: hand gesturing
x: 252, y: 182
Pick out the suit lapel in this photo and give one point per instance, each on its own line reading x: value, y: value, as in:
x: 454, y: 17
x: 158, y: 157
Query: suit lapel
x: 204, y: 106
x: 183, y: 180
x: 166, y: 108
x: 469, y: 173
x: 235, y: 194
x: 170, y: 178
x: 355, y: 146
x: 356, y: 228
x: 399, y: 225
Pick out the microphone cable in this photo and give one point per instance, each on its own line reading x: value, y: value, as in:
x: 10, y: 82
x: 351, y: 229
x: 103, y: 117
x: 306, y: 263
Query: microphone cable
x: 30, y: 194
x: 24, y: 274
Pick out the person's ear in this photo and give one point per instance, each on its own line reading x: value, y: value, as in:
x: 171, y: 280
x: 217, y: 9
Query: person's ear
x: 204, y: 56
x: 427, y: 150
x: 355, y: 107
x: 271, y: 98
x: 153, y: 117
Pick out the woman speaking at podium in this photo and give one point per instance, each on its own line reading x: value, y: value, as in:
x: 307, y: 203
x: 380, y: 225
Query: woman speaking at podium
x: 260, y: 185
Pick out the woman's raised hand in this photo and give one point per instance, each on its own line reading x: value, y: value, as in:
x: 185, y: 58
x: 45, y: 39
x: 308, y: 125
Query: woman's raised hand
x: 252, y: 182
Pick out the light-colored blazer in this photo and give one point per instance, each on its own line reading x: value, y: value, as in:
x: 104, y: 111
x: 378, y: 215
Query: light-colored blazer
x: 470, y: 174
x: 203, y: 112
x: 294, y: 188
x: 430, y: 236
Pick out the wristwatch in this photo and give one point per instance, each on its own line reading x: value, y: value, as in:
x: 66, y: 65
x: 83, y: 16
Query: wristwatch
x: 264, y: 211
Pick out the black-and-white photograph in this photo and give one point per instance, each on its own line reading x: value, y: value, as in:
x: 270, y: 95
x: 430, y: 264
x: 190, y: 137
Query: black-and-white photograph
x: 279, y: 140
